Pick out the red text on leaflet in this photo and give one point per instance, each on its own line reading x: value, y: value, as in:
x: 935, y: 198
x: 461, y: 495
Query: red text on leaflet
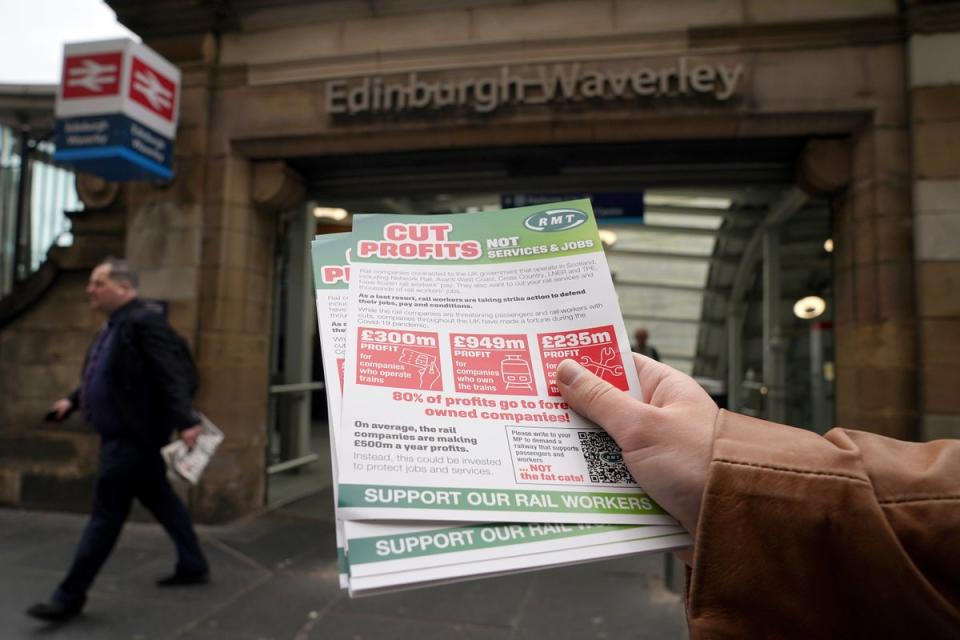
x: 494, y: 364
x: 595, y: 348
x: 399, y: 359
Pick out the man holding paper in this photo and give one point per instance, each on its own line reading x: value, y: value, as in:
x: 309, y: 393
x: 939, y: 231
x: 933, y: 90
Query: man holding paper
x: 137, y: 386
x: 796, y: 535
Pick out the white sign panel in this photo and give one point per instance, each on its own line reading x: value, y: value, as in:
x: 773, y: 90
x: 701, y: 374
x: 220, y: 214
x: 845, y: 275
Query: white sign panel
x: 120, y: 77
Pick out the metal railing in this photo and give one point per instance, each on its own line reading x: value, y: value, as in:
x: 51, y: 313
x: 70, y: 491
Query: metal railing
x: 297, y: 392
x: 32, y: 208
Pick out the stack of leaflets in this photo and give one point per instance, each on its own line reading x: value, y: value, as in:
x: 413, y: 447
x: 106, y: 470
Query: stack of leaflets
x: 454, y: 455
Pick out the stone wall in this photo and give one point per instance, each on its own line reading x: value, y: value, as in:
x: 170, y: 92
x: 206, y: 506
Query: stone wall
x: 873, y: 294
x: 845, y: 77
x: 234, y: 336
x: 52, y: 465
x: 202, y: 245
x: 205, y: 241
x: 935, y: 97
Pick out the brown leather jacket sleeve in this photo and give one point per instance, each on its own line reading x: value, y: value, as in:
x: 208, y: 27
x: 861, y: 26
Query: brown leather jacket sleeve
x: 847, y: 535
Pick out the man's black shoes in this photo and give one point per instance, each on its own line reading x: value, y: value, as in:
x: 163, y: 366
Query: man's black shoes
x: 53, y: 611
x: 184, y: 579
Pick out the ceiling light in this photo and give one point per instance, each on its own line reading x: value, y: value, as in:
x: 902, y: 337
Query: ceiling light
x: 828, y: 245
x: 330, y: 213
x: 809, y: 308
x: 607, y: 237
x: 697, y: 202
x: 829, y: 372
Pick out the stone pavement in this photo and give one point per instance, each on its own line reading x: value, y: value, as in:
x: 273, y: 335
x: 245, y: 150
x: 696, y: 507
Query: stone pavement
x: 274, y: 576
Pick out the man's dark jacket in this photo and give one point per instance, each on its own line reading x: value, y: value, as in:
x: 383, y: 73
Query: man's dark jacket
x: 151, y: 375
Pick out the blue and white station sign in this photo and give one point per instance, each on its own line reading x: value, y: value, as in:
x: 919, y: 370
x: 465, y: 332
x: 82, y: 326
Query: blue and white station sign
x: 117, y: 110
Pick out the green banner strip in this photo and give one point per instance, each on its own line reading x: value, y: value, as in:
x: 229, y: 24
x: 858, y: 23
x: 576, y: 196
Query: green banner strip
x: 466, y: 538
x: 472, y: 499
x: 536, y: 232
x: 329, y: 254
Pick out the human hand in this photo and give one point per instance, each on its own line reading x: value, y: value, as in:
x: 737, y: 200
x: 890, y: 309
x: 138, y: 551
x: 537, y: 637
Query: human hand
x: 189, y: 436
x: 666, y: 440
x: 61, y: 408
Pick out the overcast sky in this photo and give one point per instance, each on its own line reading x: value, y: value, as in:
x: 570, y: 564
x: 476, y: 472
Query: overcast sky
x: 32, y: 33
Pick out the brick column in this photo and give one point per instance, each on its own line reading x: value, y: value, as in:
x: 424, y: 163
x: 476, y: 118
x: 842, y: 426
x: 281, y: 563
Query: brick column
x: 934, y: 48
x: 873, y: 278
x: 234, y: 337
x: 47, y: 465
x: 201, y: 245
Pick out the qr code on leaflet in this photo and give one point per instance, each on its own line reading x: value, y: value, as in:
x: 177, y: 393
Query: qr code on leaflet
x: 604, y: 459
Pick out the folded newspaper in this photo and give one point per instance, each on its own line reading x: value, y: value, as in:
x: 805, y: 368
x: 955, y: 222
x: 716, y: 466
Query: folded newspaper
x: 187, y: 463
x: 470, y: 409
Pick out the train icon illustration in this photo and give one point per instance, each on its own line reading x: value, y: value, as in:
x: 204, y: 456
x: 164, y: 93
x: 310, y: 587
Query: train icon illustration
x: 516, y: 373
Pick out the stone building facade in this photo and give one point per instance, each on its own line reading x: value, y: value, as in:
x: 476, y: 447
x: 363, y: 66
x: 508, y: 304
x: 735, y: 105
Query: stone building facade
x: 867, y: 86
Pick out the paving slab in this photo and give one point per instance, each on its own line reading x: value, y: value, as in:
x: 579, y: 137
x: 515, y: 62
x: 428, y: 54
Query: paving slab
x: 341, y: 626
x: 275, y: 577
x: 280, y: 541
x: 625, y: 598
x: 487, y: 601
x: 280, y: 606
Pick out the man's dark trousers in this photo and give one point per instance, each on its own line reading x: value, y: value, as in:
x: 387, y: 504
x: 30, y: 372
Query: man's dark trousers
x: 128, y: 470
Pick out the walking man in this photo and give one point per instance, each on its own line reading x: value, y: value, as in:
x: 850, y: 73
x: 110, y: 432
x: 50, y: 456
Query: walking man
x: 137, y: 387
x: 641, y: 345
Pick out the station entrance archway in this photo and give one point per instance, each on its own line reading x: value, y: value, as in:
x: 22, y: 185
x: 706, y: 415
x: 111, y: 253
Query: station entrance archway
x: 727, y: 244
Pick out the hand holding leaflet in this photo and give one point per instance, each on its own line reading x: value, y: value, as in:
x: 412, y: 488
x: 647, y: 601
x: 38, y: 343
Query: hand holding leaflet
x: 666, y: 439
x: 189, y: 463
x: 386, y: 556
x: 451, y: 410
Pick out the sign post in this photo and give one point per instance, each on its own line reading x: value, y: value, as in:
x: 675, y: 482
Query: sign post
x: 117, y: 110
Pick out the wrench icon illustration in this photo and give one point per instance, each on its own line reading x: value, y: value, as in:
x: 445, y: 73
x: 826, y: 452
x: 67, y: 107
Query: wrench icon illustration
x: 603, y: 367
